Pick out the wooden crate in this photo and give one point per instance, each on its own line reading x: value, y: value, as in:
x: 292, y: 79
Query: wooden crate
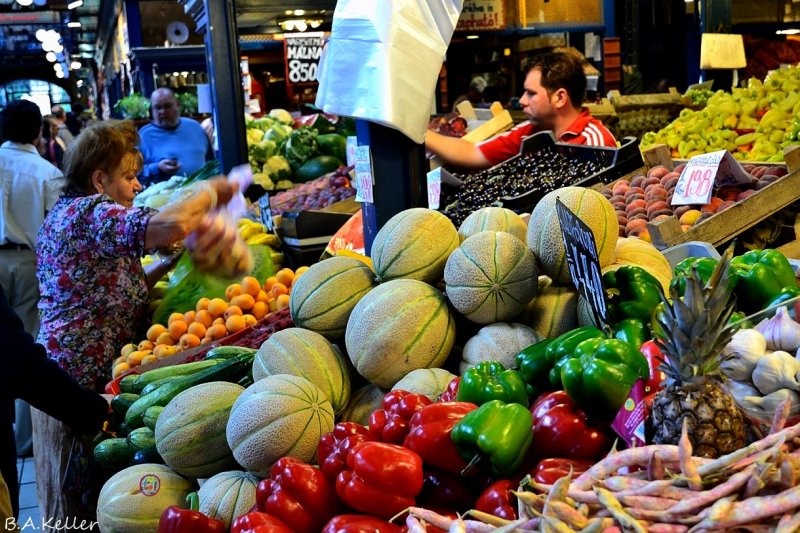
x: 727, y: 224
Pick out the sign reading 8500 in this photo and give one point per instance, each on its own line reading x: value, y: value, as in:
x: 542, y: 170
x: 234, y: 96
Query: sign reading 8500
x: 303, y: 51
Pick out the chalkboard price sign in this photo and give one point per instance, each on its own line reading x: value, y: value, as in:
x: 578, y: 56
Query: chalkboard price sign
x: 266, y: 212
x: 302, y: 51
x: 582, y: 260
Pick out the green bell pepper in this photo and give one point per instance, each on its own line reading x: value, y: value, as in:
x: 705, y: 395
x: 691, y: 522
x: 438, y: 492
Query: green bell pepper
x: 496, y: 431
x: 564, y: 345
x: 535, y: 367
x: 760, y: 275
x: 601, y: 374
x: 786, y: 294
x: 704, y: 265
x: 631, y: 292
x: 634, y: 331
x: 490, y: 380
x: 738, y: 318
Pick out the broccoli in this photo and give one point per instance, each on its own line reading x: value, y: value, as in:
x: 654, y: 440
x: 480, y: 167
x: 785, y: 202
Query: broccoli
x: 277, y: 168
x: 300, y: 146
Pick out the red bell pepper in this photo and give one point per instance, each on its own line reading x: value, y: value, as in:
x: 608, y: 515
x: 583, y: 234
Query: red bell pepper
x: 382, y: 480
x: 358, y: 523
x: 390, y: 424
x: 298, y: 494
x: 451, y: 391
x: 498, y: 500
x: 429, y: 434
x: 177, y: 520
x: 441, y: 490
x: 548, y: 471
x: 561, y: 429
x: 259, y: 523
x: 654, y: 358
x: 335, y: 445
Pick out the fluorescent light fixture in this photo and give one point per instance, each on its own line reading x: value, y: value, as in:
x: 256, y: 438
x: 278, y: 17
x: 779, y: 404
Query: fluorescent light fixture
x: 76, y: 3
x: 75, y: 65
x: 473, y: 36
x: 76, y: 24
x: 50, y: 56
x: 790, y: 31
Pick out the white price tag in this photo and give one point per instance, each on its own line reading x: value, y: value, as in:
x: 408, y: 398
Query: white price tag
x: 696, y: 184
x: 434, y: 187
x: 350, y: 150
x: 363, y: 168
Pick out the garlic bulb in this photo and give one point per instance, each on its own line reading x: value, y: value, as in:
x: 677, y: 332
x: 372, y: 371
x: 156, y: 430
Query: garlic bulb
x: 773, y: 401
x: 776, y: 370
x: 740, y: 390
x: 742, y: 353
x: 781, y: 332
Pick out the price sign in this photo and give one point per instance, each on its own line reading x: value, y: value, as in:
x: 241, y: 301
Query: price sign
x: 266, y: 212
x: 350, y: 150
x: 363, y: 168
x: 703, y: 172
x: 582, y: 260
x: 434, y: 188
x: 302, y: 51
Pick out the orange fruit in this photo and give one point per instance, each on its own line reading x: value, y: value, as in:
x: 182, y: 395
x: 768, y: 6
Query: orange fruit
x: 173, y: 317
x: 197, y: 329
x: 231, y: 311
x: 189, y: 341
x: 262, y: 296
x: 177, y: 328
x: 217, y: 331
x: 218, y: 320
x: 147, y: 359
x: 135, y: 358
x: 145, y: 346
x: 189, y: 316
x: 204, y: 340
x: 217, y: 307
x: 249, y: 320
x: 285, y: 276
x: 269, y: 283
x: 204, y: 317
x: 278, y: 289
x: 299, y: 272
x: 233, y: 290
x: 154, y: 331
x: 120, y: 359
x: 243, y: 301
x: 167, y: 351
x: 251, y: 286
x: 273, y: 305
x: 128, y: 348
x: 202, y: 304
x: 165, y: 339
x: 119, y: 369
x: 260, y: 310
x: 282, y: 302
x: 235, y: 323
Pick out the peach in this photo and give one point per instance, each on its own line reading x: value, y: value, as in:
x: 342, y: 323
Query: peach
x: 617, y: 198
x: 621, y: 232
x: 776, y: 171
x: 704, y: 216
x: 607, y: 193
x: 636, y: 181
x: 670, y: 182
x: 726, y: 205
x: 622, y: 220
x: 658, y: 172
x: 690, y: 217
x: 620, y: 187
x: 657, y: 206
x: 660, y: 217
x: 685, y: 227
x: 745, y: 194
x: 681, y: 209
x: 644, y: 235
x: 634, y: 196
x: 641, y: 215
x: 679, y: 168
x: 639, y: 223
x: 636, y: 204
x: 728, y: 193
x: 650, y: 181
x: 656, y: 191
x: 660, y: 213
x: 633, y: 190
x: 748, y: 168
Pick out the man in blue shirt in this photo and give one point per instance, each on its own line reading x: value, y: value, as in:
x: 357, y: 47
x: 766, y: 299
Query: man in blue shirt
x: 171, y: 144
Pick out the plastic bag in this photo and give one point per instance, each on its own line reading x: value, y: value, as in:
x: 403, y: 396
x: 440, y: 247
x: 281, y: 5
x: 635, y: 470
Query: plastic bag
x: 215, y: 247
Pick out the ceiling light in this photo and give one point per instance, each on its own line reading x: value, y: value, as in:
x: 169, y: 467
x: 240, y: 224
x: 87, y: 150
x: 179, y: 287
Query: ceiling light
x: 75, y: 65
x: 79, y: 83
x: 59, y: 74
x: 50, y: 56
x: 76, y: 3
x: 790, y: 31
x: 58, y: 48
x: 41, y: 35
x: 315, y: 23
x: 289, y: 11
x: 473, y: 36
x: 24, y: 2
x: 297, y: 12
x: 57, y: 67
x: 76, y: 24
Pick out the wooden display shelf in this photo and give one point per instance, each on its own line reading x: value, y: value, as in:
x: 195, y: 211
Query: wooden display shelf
x: 727, y: 224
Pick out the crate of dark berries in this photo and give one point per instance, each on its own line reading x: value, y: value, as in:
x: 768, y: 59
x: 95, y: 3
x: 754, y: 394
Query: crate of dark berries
x: 542, y: 166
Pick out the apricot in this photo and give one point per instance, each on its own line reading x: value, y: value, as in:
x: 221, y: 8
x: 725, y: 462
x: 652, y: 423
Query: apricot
x: 690, y: 217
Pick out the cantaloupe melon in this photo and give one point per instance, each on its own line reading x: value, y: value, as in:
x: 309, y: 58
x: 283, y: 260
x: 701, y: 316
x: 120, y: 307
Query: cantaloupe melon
x: 414, y: 244
x: 544, y: 231
x: 277, y: 416
x: 400, y: 326
x: 585, y: 314
x: 323, y: 297
x: 499, y: 342
x: 190, y: 431
x: 228, y: 495
x: 553, y: 310
x: 491, y: 277
x: 430, y: 382
x: 493, y: 219
x: 302, y: 352
x: 132, y: 500
x: 362, y: 403
x: 635, y: 251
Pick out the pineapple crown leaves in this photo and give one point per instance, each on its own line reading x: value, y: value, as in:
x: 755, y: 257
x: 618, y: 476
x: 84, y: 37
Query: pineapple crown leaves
x: 694, y: 328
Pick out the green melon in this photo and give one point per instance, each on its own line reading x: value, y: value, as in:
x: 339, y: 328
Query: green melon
x: 493, y: 219
x: 400, y: 326
x: 228, y: 495
x: 430, y: 382
x: 277, y: 416
x: 362, y: 403
x: 324, y: 296
x: 414, y: 244
x: 491, y: 277
x: 190, y: 431
x: 132, y: 500
x: 499, y: 342
x: 544, y: 231
x: 554, y: 309
x: 302, y: 352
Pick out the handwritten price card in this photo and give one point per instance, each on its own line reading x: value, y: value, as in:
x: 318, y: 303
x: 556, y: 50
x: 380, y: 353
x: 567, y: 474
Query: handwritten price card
x: 436, y: 177
x: 363, y: 168
x: 702, y: 173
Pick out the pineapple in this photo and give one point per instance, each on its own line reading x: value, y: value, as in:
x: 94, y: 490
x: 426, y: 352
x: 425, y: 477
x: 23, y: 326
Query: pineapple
x: 694, y: 333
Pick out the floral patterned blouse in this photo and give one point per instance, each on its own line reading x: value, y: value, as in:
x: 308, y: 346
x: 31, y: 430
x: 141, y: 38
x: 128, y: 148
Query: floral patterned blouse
x: 93, y: 287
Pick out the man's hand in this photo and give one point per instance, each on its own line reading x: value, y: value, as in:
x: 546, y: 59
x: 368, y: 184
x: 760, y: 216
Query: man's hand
x: 168, y: 166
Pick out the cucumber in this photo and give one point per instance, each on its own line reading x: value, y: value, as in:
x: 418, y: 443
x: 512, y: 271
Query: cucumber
x: 170, y: 371
x: 122, y: 402
x: 122, y: 429
x: 246, y: 381
x: 148, y: 455
x: 114, y: 453
x: 150, y: 387
x: 150, y: 417
x: 226, y: 352
x: 142, y: 438
x: 126, y: 383
x: 230, y: 369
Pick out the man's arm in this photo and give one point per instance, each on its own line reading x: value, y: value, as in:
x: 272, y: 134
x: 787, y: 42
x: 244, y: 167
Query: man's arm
x: 456, y: 151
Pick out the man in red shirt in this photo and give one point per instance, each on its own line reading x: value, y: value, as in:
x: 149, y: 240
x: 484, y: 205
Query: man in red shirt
x: 554, y: 88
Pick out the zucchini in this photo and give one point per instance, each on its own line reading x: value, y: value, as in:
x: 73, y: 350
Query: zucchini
x: 126, y: 383
x: 226, y: 352
x: 150, y: 417
x: 230, y: 369
x: 169, y: 371
x: 141, y: 438
x: 122, y: 402
x: 148, y: 455
x: 114, y: 453
x: 150, y: 387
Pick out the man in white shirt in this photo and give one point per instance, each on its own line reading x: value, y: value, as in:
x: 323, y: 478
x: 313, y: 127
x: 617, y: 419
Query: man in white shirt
x: 29, y: 187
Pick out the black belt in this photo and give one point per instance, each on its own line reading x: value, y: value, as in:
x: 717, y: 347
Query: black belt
x: 14, y: 246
